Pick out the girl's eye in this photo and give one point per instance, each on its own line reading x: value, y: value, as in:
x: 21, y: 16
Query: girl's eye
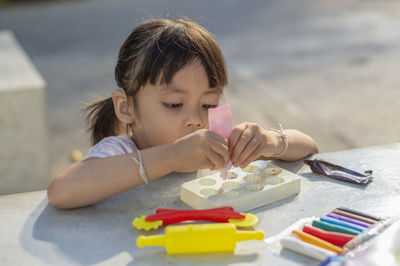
x: 173, y: 105
x: 208, y: 106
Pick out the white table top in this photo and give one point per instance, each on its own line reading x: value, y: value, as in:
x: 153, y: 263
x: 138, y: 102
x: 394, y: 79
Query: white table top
x: 35, y: 233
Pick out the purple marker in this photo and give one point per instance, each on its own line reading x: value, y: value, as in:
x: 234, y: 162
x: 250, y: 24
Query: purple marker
x: 347, y: 219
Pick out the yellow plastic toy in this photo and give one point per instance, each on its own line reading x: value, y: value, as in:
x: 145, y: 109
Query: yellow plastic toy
x: 199, y: 238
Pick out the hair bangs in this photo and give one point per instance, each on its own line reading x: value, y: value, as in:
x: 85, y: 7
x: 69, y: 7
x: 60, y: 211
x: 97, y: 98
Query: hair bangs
x: 179, y: 44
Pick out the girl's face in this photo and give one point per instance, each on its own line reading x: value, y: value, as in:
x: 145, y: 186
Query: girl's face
x: 165, y: 113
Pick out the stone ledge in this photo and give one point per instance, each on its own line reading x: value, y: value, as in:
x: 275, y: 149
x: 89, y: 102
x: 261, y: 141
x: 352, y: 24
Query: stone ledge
x: 16, y: 70
x: 24, y: 160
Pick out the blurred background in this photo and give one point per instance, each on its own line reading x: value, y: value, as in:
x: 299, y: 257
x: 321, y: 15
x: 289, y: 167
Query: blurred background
x: 327, y: 68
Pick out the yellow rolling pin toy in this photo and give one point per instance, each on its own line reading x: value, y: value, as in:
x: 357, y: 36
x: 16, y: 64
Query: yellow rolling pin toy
x: 199, y: 238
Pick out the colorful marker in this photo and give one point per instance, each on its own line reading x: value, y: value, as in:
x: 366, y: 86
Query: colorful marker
x: 339, y: 239
x: 354, y: 216
x: 294, y: 243
x: 336, y: 228
x: 359, y: 213
x: 371, y: 232
x: 342, y: 223
x: 317, y: 242
x: 347, y: 219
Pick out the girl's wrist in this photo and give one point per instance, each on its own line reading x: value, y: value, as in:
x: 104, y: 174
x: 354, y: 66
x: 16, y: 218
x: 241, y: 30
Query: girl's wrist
x: 157, y: 161
x: 275, y: 144
x: 172, y: 163
x: 169, y: 155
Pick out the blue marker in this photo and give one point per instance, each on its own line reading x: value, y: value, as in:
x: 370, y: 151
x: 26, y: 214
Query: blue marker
x: 342, y: 223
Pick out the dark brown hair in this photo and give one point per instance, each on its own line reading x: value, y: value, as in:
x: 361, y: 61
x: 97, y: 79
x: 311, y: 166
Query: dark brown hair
x: 153, y: 53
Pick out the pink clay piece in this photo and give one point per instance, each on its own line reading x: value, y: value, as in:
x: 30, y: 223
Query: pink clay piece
x: 220, y: 122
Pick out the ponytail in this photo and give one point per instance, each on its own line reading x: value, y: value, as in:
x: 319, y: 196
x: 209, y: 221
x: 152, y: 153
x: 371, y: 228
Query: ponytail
x: 101, y: 120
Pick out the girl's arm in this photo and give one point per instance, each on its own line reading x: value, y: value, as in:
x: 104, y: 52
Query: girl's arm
x: 300, y: 146
x: 95, y: 179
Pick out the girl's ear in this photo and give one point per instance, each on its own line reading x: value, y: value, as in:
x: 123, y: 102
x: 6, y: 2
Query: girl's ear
x: 123, y: 110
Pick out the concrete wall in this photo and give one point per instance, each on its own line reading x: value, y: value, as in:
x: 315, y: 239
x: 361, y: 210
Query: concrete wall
x: 24, y: 162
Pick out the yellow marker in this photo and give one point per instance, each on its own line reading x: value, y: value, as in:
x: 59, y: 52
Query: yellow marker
x: 199, y: 238
x: 317, y: 242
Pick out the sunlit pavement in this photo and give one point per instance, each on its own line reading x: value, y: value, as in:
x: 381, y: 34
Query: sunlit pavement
x: 329, y: 68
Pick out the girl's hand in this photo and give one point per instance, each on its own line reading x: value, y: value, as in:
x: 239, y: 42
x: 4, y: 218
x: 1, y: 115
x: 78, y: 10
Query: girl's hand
x: 248, y: 142
x: 199, y: 150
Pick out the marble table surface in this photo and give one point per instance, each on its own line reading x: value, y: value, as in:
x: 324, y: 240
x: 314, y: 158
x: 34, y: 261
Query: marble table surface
x: 33, y: 232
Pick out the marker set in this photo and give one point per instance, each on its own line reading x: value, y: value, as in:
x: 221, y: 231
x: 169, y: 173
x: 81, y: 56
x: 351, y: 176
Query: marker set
x: 336, y: 233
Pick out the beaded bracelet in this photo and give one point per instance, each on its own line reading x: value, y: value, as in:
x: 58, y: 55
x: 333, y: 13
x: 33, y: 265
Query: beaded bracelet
x: 142, y: 172
x: 285, y: 136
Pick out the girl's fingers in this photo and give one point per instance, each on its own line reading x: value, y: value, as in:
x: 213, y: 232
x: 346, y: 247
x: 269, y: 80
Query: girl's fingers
x: 253, y: 156
x: 208, y: 164
x: 222, y: 150
x: 248, y: 150
x: 216, y: 138
x: 216, y: 159
x: 235, y: 135
x: 244, y: 139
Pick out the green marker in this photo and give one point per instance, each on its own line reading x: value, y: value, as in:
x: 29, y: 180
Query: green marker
x: 335, y: 228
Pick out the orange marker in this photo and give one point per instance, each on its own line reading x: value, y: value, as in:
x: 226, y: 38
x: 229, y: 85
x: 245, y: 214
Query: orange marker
x: 317, y: 242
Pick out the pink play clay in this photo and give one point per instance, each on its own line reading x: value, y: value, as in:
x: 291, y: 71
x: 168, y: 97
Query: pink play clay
x: 220, y: 122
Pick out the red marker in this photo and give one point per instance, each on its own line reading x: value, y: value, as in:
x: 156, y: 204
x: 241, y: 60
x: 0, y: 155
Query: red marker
x: 335, y: 238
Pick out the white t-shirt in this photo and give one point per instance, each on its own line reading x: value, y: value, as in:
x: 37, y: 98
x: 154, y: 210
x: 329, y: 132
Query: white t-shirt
x: 112, y: 146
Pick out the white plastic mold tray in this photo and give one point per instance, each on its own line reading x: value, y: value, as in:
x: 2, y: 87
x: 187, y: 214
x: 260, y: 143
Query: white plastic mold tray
x: 258, y: 184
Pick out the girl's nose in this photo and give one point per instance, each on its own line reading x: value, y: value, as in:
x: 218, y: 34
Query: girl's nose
x: 194, y: 121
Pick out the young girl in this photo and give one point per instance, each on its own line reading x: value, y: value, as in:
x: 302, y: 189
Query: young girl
x: 169, y: 73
